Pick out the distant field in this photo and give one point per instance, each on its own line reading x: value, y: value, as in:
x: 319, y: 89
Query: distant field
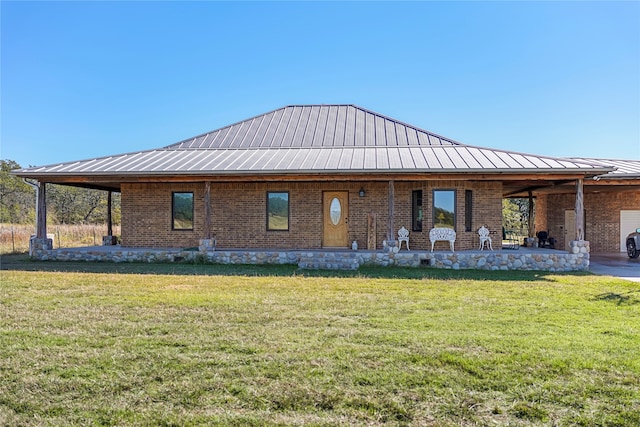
x: 14, y: 238
x: 273, y: 346
x: 277, y: 222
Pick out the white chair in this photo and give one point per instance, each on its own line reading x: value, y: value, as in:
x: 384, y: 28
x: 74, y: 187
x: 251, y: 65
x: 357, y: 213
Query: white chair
x: 403, y: 236
x: 483, y: 232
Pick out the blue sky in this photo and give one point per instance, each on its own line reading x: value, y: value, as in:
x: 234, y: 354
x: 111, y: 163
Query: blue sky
x: 88, y: 79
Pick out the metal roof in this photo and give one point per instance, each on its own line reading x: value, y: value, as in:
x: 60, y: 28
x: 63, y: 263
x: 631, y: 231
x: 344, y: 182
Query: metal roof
x: 313, y: 126
x: 340, y: 139
x: 313, y: 160
x: 624, y: 168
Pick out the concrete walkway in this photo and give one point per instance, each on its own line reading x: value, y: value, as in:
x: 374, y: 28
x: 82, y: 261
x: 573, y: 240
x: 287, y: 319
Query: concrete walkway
x: 616, y: 265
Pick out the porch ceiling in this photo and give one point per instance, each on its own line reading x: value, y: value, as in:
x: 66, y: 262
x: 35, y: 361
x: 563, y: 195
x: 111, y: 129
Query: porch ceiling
x: 521, y: 189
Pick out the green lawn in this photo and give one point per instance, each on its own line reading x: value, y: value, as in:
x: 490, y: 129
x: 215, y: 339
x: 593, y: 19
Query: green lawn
x: 214, y: 345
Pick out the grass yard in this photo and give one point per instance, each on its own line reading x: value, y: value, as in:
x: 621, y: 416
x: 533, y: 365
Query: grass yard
x: 216, y: 345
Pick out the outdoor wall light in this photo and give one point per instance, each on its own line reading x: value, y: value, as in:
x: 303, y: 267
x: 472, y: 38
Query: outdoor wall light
x: 361, y: 192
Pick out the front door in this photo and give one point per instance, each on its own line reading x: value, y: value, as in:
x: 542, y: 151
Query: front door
x: 336, y: 218
x: 569, y: 227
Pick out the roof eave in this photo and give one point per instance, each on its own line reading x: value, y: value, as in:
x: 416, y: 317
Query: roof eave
x: 591, y: 173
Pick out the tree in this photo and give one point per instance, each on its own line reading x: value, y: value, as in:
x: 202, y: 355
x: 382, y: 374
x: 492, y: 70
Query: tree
x: 515, y: 214
x: 65, y: 204
x: 74, y: 205
x: 17, y: 199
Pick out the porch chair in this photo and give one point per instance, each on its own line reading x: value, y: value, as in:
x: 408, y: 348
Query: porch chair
x: 542, y: 238
x: 483, y: 232
x: 403, y: 236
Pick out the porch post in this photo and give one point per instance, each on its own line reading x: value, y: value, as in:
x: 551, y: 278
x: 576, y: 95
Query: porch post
x: 109, y: 219
x: 41, y: 221
x: 208, y: 242
x: 579, y: 210
x: 207, y: 210
x: 531, y: 216
x: 390, y: 235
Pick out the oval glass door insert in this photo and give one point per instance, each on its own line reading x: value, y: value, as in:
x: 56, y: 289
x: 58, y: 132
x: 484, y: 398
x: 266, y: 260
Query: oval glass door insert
x: 335, y: 211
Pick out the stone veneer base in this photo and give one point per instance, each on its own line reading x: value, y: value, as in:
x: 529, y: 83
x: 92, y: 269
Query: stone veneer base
x: 577, y: 259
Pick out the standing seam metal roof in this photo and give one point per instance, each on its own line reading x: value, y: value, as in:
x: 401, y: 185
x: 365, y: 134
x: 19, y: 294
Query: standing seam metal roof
x: 316, y: 139
x: 314, y: 126
x: 624, y: 168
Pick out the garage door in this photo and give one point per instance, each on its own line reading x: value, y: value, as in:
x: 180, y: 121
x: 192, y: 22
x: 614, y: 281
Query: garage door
x: 629, y: 221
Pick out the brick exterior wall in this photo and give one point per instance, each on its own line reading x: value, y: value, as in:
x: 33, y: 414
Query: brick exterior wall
x: 146, y: 216
x: 486, y: 205
x: 239, y: 213
x: 602, y: 212
x: 540, y: 213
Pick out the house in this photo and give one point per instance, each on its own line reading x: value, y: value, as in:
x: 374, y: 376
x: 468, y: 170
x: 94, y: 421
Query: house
x: 324, y: 176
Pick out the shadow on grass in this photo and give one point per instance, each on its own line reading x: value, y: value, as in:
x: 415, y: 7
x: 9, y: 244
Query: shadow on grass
x: 627, y: 298
x: 22, y: 262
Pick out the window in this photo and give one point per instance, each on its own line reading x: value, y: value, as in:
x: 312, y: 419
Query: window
x: 277, y: 211
x: 444, y: 208
x: 182, y: 211
x: 468, y: 210
x: 416, y: 210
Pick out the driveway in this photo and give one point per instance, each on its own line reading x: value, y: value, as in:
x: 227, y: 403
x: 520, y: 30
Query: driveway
x: 617, y: 265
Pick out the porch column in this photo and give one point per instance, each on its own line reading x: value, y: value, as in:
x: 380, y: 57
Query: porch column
x: 208, y: 242
x: 390, y: 234
x: 109, y: 219
x: 207, y: 210
x: 531, y: 216
x: 41, y: 221
x: 579, y: 210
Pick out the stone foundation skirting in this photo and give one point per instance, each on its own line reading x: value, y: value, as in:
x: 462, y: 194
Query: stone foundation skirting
x: 577, y: 259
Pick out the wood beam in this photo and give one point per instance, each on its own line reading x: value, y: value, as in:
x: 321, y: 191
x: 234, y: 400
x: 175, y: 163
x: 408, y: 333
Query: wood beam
x: 538, y: 187
x: 390, y: 234
x: 109, y: 218
x: 372, y: 232
x: 579, y: 210
x: 96, y: 180
x: 531, y: 214
x: 207, y: 210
